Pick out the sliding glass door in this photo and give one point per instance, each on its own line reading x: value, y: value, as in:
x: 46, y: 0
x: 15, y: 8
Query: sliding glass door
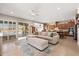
x: 9, y: 30
x: 1, y: 26
x: 22, y: 29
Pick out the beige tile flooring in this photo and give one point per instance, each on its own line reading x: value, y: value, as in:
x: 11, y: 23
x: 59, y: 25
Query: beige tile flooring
x: 10, y: 49
x: 66, y: 46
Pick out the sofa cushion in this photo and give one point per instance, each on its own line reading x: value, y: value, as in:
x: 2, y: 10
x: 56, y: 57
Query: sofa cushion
x: 49, y: 34
x: 44, y: 37
x: 44, y: 33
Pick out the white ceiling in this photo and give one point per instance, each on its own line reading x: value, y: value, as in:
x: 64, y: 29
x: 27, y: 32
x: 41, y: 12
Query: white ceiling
x: 46, y: 12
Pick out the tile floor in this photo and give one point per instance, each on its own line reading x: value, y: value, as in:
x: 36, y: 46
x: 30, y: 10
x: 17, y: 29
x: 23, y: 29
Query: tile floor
x: 66, y: 47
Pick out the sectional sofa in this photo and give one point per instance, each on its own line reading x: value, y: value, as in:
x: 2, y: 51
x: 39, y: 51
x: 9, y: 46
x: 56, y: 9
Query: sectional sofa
x: 52, y: 37
x: 41, y: 40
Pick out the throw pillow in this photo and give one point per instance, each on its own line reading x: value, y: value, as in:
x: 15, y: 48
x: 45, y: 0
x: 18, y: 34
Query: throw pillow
x: 51, y: 35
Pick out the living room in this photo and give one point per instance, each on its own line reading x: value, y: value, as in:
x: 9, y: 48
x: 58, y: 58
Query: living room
x: 39, y: 29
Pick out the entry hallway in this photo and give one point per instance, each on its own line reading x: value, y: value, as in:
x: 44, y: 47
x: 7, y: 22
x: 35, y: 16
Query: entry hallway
x: 66, y: 47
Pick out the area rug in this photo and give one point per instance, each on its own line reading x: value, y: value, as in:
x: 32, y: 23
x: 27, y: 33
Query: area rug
x: 28, y: 50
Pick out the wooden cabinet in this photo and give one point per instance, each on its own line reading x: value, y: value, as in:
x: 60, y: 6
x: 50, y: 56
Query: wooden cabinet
x: 51, y: 27
x: 62, y: 26
x: 66, y: 25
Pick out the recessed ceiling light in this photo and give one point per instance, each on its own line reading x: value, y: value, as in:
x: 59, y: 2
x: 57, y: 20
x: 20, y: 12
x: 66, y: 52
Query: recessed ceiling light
x: 11, y: 12
x: 33, y: 14
x: 58, y: 8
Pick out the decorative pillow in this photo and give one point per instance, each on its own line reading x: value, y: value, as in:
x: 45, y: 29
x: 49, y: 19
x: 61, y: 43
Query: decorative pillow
x: 51, y: 35
x: 55, y: 33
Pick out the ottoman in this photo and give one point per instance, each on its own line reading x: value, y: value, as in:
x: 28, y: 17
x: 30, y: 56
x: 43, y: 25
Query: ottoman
x: 38, y: 43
